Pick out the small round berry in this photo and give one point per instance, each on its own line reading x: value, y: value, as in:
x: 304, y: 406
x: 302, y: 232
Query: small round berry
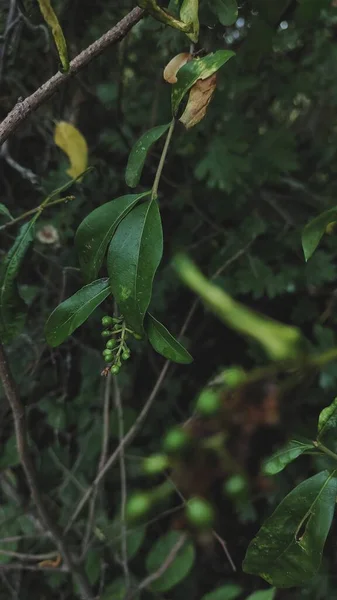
x: 208, y: 402
x: 199, y: 513
x: 125, y: 354
x: 138, y: 506
x: 107, y: 352
x: 106, y: 333
x: 114, y: 369
x: 108, y: 357
x: 111, y: 344
x: 176, y: 440
x: 157, y: 463
x: 234, y: 376
x: 107, y: 321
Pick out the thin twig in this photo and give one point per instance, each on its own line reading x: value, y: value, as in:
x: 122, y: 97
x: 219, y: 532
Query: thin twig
x: 120, y: 417
x: 19, y: 418
x: 225, y: 549
x: 37, y: 209
x: 23, y: 109
x: 28, y: 557
x: 23, y: 171
x: 155, y: 186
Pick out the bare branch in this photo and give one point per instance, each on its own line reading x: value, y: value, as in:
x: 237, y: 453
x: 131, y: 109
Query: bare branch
x: 19, y: 417
x: 23, y: 109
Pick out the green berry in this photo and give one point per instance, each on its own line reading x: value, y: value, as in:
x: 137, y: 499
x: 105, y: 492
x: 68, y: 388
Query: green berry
x: 137, y: 336
x: 106, y: 333
x: 114, y: 369
x: 107, y: 352
x: 108, y: 357
x: 199, y: 513
x: 107, y: 321
x: 111, y: 344
x: 176, y: 440
x: 138, y: 506
x: 125, y: 354
x: 157, y: 463
x: 233, y: 377
x: 208, y: 402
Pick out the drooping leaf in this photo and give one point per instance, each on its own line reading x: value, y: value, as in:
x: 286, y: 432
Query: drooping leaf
x: 198, y: 68
x: 164, y: 343
x: 134, y: 255
x: 189, y: 14
x: 74, y: 311
x: 139, y: 152
x: 4, y: 211
x: 262, y: 595
x: 12, y: 307
x: 327, y: 426
x: 284, y: 456
x: 163, y: 16
x: 72, y: 142
x: 225, y: 10
x: 201, y: 93
x: 230, y: 591
x: 180, y: 566
x: 279, y: 341
x: 314, y: 231
x: 53, y: 22
x: 287, y: 550
x: 96, y: 230
x: 172, y: 68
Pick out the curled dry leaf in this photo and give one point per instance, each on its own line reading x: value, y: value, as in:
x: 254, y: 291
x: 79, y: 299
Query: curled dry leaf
x: 172, y: 68
x: 200, y: 96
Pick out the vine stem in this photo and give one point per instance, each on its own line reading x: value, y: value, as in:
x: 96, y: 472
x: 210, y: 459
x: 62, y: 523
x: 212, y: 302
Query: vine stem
x: 159, y: 171
x: 33, y: 211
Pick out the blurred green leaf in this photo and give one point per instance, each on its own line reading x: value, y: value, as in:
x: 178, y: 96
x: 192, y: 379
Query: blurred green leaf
x: 139, y: 153
x: 4, y: 211
x: 9, y: 456
x: 327, y: 426
x: 230, y: 591
x: 164, y: 343
x: 180, y: 566
x: 225, y: 10
x: 189, y: 13
x: 314, y: 231
x: 262, y: 595
x: 284, y: 456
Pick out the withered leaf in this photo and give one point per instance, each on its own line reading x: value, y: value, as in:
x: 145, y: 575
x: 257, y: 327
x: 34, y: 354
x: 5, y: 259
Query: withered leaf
x: 172, y: 68
x: 200, y: 96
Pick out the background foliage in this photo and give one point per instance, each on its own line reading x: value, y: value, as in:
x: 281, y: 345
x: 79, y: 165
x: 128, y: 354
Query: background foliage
x: 236, y: 193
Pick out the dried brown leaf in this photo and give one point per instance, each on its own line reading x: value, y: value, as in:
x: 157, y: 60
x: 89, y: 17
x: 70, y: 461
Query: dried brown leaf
x: 200, y: 96
x: 172, y: 68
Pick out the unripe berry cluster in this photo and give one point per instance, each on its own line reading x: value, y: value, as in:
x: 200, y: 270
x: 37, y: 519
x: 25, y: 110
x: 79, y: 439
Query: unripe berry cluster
x: 116, y: 349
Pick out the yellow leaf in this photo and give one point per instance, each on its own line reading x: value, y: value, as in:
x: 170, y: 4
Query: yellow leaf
x: 72, y: 142
x: 53, y: 22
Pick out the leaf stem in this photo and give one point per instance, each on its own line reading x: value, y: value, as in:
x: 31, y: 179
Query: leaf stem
x: 326, y: 450
x: 37, y: 209
x: 159, y: 171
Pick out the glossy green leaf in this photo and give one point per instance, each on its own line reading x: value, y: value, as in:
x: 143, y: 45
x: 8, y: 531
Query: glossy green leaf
x: 263, y: 595
x: 133, y: 258
x: 4, y: 211
x: 164, y: 343
x: 180, y: 566
x: 189, y: 13
x: 225, y: 10
x: 96, y: 230
x: 12, y: 307
x: 314, y: 231
x: 198, y: 68
x: 279, y: 341
x: 284, y: 456
x: 327, y: 426
x: 230, y: 591
x: 74, y: 311
x: 139, y: 152
x: 287, y: 550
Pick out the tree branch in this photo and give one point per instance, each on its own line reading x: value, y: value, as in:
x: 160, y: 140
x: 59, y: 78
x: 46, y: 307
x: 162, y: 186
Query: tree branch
x: 48, y: 521
x: 23, y: 109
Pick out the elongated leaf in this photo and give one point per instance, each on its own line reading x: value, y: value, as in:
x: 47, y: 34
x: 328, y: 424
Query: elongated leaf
x: 225, y: 10
x: 4, y: 211
x: 72, y: 142
x: 230, y: 591
x: 164, y: 343
x: 284, y: 456
x: 74, y: 311
x: 287, y: 550
x: 139, y: 152
x: 53, y: 22
x: 189, y: 14
x: 12, y: 307
x: 133, y: 258
x: 314, y: 231
x: 263, y: 595
x: 279, y: 341
x: 327, y: 426
x: 96, y: 230
x: 180, y: 566
x: 198, y: 68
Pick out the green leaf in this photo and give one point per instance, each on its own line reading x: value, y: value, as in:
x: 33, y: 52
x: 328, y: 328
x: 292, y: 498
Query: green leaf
x: 96, y: 230
x: 189, y: 14
x: 180, y: 566
x: 117, y: 591
x: 139, y: 152
x: 284, y: 456
x: 4, y: 211
x: 9, y: 454
x: 74, y: 311
x: 12, y: 307
x: 327, y: 426
x: 198, y: 68
x: 133, y: 258
x: 263, y: 595
x: 314, y: 231
x: 59, y: 39
x: 287, y: 550
x: 225, y: 10
x: 279, y: 341
x: 164, y: 343
x: 225, y: 592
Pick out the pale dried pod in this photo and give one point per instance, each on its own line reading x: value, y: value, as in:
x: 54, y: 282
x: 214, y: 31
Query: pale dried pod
x: 172, y: 68
x: 199, y: 98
